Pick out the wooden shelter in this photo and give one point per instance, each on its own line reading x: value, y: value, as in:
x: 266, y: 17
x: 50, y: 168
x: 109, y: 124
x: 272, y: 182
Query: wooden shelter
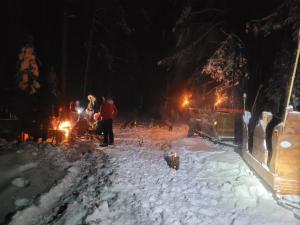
x: 279, y: 167
x: 218, y: 124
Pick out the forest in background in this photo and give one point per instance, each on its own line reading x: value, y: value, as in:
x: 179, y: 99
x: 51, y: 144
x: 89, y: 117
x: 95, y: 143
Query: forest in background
x: 175, y: 46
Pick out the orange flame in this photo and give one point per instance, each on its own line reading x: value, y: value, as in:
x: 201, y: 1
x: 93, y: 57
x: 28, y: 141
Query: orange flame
x: 186, y: 100
x: 65, y: 126
x: 220, y: 99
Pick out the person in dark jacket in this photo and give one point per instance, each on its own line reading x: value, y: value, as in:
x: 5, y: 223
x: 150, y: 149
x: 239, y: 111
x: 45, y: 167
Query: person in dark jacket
x: 108, y: 112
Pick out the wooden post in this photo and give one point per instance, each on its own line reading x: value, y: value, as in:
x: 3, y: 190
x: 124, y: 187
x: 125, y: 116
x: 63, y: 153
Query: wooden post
x: 291, y: 83
x: 244, y: 98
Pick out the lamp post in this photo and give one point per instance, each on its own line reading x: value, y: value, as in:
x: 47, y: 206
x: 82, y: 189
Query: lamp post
x: 244, y: 98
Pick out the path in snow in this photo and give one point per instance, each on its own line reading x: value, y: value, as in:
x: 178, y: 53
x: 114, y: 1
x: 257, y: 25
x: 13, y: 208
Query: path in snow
x: 212, y: 186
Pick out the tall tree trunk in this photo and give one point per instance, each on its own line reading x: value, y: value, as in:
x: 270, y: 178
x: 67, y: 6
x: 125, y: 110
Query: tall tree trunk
x: 64, y: 52
x: 89, y: 52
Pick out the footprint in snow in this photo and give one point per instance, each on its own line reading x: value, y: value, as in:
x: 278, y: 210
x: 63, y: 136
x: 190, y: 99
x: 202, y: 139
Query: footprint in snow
x: 20, y: 182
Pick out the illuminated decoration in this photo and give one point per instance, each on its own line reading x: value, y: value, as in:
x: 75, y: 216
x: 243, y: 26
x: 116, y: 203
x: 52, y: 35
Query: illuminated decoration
x: 92, y: 99
x: 220, y: 98
x: 89, y: 111
x: 66, y: 127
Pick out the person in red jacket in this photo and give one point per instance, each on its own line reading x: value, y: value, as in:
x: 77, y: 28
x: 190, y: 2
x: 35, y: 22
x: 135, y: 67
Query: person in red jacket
x: 108, y: 112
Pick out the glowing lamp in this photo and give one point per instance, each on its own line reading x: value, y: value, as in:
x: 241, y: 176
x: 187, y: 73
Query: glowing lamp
x: 80, y: 110
x: 186, y: 100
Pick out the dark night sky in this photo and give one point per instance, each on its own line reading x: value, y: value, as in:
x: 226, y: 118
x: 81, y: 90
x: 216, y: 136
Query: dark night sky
x: 134, y: 65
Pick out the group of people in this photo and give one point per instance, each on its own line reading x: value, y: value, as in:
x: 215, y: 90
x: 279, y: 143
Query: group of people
x: 101, y: 118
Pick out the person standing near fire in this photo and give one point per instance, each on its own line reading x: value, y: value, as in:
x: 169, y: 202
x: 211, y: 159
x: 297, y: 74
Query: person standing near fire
x: 108, y: 112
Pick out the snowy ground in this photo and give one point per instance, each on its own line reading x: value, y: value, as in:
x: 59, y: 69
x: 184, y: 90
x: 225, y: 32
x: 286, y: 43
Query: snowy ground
x: 131, y: 183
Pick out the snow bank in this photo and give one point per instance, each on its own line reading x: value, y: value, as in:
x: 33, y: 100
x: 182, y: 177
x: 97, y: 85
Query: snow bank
x: 32, y: 214
x: 73, y: 191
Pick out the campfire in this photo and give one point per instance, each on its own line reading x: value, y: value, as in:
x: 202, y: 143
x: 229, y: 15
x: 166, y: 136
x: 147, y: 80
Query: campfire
x: 66, y: 127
